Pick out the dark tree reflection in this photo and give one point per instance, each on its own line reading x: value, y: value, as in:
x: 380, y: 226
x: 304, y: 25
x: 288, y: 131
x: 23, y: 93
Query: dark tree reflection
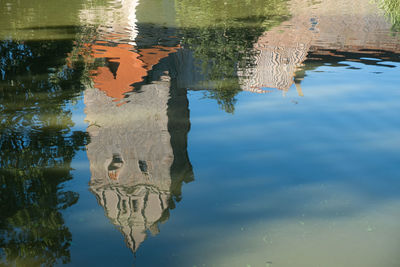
x: 36, y: 149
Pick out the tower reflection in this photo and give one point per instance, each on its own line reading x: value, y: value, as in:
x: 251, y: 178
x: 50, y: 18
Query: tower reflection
x: 138, y: 123
x: 138, y: 157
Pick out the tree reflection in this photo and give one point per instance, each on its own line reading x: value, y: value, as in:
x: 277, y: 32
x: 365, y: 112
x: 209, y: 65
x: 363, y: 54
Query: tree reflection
x: 222, y: 35
x: 392, y: 10
x: 36, y: 149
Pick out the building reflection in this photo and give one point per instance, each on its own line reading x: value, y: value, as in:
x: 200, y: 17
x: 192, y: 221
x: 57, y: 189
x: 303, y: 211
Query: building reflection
x: 318, y: 30
x: 124, y: 67
x: 137, y: 107
x: 273, y: 50
x: 137, y: 155
x: 138, y: 123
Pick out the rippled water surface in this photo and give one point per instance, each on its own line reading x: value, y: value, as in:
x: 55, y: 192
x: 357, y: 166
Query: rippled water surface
x: 200, y: 133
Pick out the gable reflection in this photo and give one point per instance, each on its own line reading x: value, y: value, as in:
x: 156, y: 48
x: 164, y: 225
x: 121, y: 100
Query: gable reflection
x: 138, y: 158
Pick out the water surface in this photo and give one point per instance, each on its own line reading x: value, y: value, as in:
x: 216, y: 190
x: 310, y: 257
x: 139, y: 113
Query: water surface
x: 199, y: 133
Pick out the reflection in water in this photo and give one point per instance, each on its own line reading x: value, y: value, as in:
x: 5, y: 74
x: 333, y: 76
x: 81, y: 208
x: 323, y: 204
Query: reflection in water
x: 355, y: 28
x: 138, y: 158
x: 124, y: 67
x: 121, y: 64
x: 392, y: 12
x: 42, y: 20
x: 36, y: 149
x: 115, y: 20
x: 137, y: 60
x: 221, y: 35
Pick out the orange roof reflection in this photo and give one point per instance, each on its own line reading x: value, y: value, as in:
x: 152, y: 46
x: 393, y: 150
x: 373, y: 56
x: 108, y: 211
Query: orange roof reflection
x: 131, y: 67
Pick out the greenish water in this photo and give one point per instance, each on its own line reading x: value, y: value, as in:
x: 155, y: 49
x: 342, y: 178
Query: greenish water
x: 199, y: 133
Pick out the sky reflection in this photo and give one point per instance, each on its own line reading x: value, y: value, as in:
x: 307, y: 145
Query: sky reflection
x: 200, y: 133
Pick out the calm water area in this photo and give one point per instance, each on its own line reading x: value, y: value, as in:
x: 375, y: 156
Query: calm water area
x: 200, y: 133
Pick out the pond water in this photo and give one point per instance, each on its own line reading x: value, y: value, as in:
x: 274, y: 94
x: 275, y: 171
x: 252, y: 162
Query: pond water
x: 200, y: 133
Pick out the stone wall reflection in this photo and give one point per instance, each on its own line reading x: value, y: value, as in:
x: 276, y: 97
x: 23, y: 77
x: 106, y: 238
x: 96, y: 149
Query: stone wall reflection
x: 317, y: 28
x: 138, y: 119
x: 138, y: 157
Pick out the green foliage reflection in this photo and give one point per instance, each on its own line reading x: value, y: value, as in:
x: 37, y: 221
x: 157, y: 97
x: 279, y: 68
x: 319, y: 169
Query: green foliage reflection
x: 36, y: 149
x: 222, y: 35
x: 392, y: 10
